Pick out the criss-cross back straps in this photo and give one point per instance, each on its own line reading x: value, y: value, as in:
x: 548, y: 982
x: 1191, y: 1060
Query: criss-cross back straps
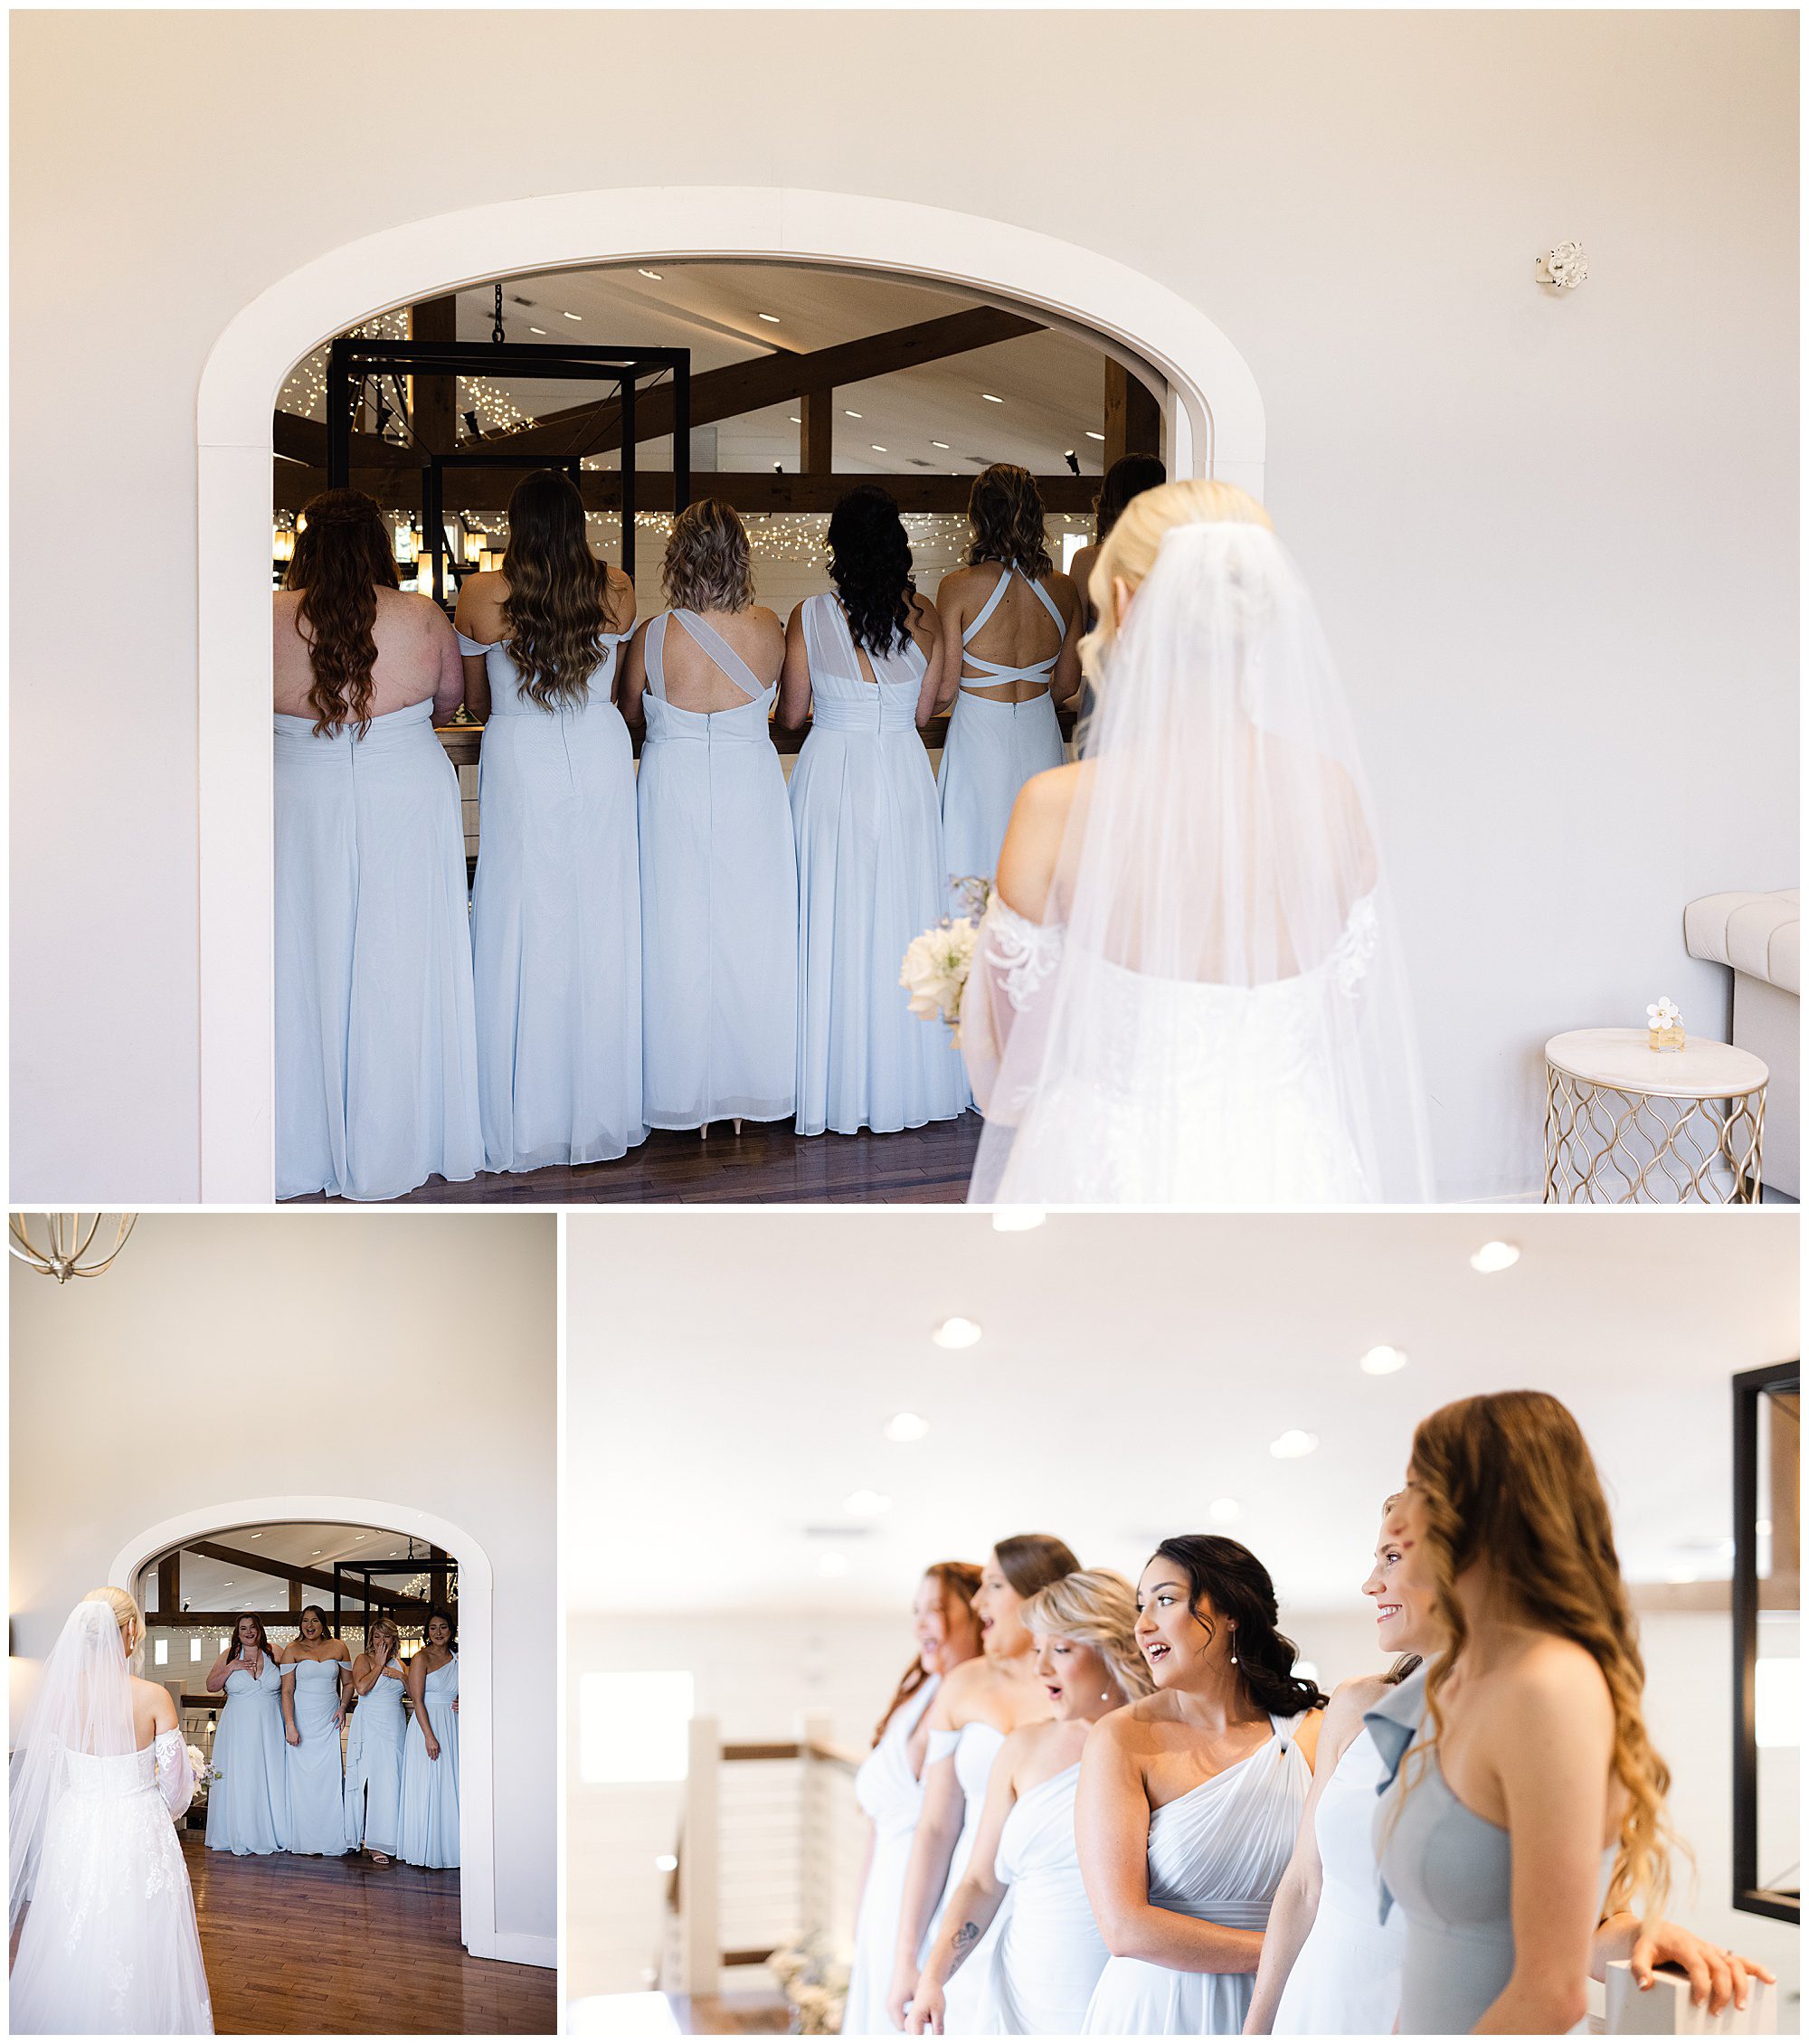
x: 998, y: 670
x: 709, y: 640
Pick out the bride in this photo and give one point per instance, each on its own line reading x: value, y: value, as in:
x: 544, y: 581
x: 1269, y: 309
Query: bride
x: 109, y: 1943
x: 1185, y: 989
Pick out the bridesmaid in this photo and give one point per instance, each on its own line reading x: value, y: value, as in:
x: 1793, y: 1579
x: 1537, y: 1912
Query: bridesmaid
x: 1010, y: 601
x: 373, y: 1747
x: 889, y: 1786
x: 1526, y: 1734
x: 719, y: 876
x: 1130, y: 476
x: 864, y: 667
x: 556, y: 911
x: 1048, y: 1956
x: 317, y: 1676
x: 376, y: 1087
x: 248, y: 1806
x: 429, y: 1766
x: 1190, y: 1800
x: 977, y: 1710
x: 1328, y: 1967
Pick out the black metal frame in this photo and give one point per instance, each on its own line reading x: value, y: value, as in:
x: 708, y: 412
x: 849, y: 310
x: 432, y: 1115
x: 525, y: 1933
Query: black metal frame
x: 1749, y: 1388
x: 440, y: 1568
x: 353, y: 356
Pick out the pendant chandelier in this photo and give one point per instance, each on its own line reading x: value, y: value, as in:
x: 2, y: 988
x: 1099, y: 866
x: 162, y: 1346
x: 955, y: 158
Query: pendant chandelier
x: 66, y: 1242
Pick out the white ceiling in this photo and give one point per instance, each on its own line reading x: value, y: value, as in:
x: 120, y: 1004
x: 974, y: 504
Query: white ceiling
x: 209, y: 1584
x: 731, y: 1374
x: 1052, y: 386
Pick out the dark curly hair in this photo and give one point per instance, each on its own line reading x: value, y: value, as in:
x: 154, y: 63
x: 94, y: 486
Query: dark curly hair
x: 555, y: 612
x: 870, y: 566
x: 1226, y: 1575
x: 343, y: 556
x: 1005, y: 508
x: 1130, y: 476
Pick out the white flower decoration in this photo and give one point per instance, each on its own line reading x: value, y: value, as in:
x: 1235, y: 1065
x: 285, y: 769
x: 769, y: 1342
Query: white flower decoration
x: 1563, y: 268
x: 1662, y: 1014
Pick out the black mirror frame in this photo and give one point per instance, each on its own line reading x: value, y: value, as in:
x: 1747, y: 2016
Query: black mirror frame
x: 1749, y: 1388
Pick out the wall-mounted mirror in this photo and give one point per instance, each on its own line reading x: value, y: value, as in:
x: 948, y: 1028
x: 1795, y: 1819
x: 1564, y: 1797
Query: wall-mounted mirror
x: 1767, y: 1655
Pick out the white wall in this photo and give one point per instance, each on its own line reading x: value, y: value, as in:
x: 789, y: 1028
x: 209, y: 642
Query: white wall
x: 405, y: 1357
x: 1555, y: 542
x: 759, y: 1672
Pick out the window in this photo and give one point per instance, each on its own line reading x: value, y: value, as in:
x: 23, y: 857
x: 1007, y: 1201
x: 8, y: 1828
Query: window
x: 195, y: 1650
x: 160, y: 1652
x: 1072, y: 543
x: 635, y: 1728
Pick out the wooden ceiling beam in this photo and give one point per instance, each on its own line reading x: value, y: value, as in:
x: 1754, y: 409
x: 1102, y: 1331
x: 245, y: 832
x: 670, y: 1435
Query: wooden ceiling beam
x: 488, y: 491
x: 741, y: 387
x: 242, y: 1557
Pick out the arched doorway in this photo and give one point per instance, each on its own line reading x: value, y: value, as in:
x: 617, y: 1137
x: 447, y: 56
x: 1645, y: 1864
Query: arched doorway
x: 479, y: 1929
x: 1214, y: 426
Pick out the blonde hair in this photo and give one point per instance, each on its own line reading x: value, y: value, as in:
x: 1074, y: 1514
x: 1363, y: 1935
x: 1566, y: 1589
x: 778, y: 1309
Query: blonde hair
x: 1094, y: 1607
x: 1129, y: 549
x: 127, y: 1615
x: 1508, y: 1479
x: 709, y: 562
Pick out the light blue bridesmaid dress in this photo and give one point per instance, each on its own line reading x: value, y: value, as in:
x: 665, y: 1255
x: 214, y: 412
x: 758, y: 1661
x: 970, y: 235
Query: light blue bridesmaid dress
x: 248, y: 1806
x: 430, y: 1788
x: 993, y: 748
x: 376, y: 1071
x: 373, y: 1767
x: 870, y: 877
x: 718, y: 900
x: 316, y: 1788
x: 555, y: 926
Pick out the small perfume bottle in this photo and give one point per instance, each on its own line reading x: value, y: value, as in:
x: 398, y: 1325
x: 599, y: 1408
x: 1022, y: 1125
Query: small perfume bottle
x: 1663, y: 1025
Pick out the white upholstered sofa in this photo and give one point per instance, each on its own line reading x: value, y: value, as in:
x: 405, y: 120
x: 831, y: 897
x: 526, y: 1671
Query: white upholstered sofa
x: 1757, y: 935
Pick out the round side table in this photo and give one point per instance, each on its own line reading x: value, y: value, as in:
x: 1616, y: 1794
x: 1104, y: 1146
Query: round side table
x: 1625, y: 1123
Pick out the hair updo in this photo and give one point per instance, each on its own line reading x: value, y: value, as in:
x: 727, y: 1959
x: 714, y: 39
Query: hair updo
x: 1226, y: 1575
x: 1097, y: 1608
x: 127, y: 1615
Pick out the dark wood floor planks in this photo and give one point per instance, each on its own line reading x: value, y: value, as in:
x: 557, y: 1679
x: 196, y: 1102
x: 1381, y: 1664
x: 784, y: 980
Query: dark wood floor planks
x: 344, y: 1948
x: 767, y: 1164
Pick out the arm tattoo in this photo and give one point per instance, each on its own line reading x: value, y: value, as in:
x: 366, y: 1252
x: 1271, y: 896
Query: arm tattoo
x: 965, y: 1939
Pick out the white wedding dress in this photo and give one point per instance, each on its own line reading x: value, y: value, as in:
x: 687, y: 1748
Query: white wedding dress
x: 110, y: 1946
x: 1209, y: 1007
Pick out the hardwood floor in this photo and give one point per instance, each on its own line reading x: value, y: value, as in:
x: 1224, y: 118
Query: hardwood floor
x: 767, y: 1164
x: 340, y: 1948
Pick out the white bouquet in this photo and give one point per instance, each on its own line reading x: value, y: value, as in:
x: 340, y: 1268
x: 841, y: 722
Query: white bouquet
x: 205, y: 1774
x: 937, y: 963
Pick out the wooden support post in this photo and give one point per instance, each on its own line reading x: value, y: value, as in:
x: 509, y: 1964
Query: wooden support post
x: 816, y: 436
x: 169, y: 1586
x: 700, y: 1864
x: 1133, y: 419
x: 433, y: 400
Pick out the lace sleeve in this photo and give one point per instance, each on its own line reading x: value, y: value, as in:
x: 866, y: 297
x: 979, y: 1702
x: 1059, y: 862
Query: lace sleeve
x: 1355, y: 949
x: 175, y: 1778
x: 1014, y: 962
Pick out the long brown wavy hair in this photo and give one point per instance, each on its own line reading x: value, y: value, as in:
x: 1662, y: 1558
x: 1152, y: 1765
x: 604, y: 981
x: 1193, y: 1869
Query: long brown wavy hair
x: 556, y: 613
x: 1005, y: 509
x: 957, y: 1581
x: 709, y: 559
x: 264, y: 1646
x: 343, y: 556
x: 1508, y: 1479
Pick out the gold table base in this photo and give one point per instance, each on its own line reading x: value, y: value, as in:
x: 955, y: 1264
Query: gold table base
x: 1609, y: 1146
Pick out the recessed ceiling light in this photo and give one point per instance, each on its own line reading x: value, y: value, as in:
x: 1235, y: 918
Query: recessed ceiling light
x: 942, y: 444
x: 1382, y: 1362
x: 956, y: 1333
x: 227, y: 1580
x: 990, y: 399
x: 877, y: 448
x: 796, y: 421
x: 771, y: 318
x: 356, y: 1537
x: 315, y: 1555
x: 848, y: 414
x: 667, y: 1863
x: 866, y: 1504
x: 1221, y: 1511
x: 906, y: 1426
x: 653, y: 273
x: 257, y: 1535
x: 1495, y: 1256
x: 571, y: 315
x: 540, y: 330
x: 1288, y: 1446
x: 1093, y: 436
x: 1018, y: 1220
x: 832, y: 1563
